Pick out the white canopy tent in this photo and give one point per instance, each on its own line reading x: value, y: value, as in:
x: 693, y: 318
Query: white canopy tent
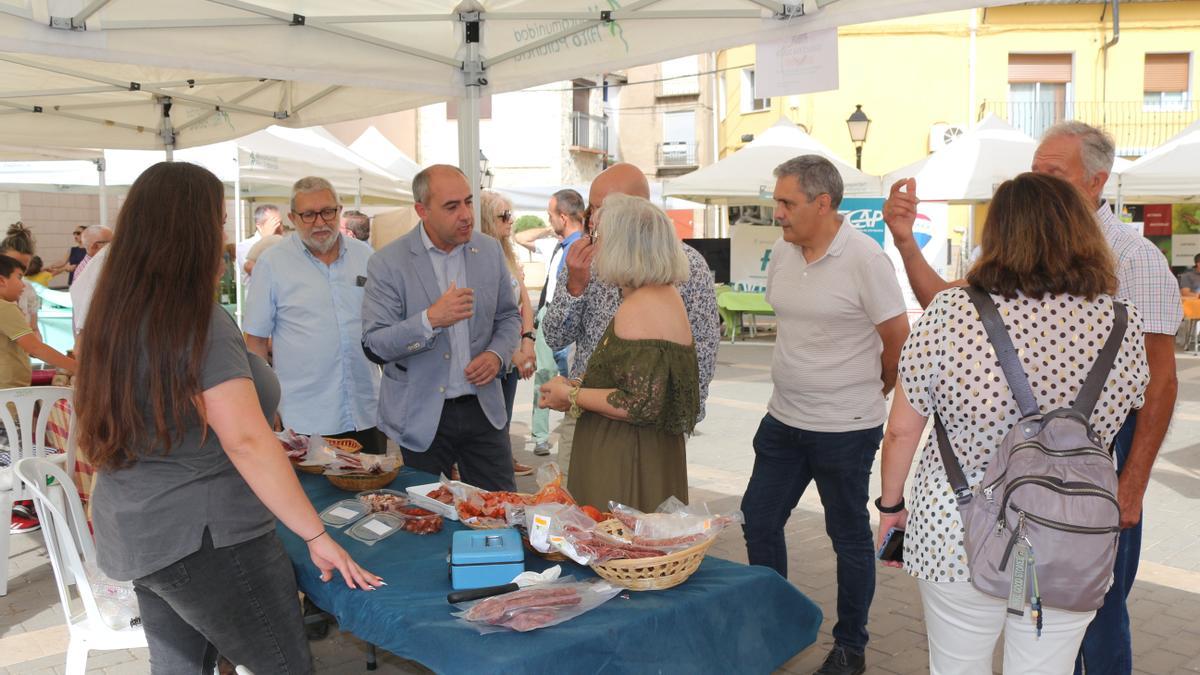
x: 266, y: 163
x: 745, y: 177
x: 970, y: 168
x: 373, y: 146
x: 537, y: 198
x: 1168, y: 173
x: 151, y: 74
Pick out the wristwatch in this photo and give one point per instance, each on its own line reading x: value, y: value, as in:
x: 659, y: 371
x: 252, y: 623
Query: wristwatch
x: 528, y: 335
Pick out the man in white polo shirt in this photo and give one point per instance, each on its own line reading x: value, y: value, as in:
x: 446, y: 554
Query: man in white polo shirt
x: 842, y: 321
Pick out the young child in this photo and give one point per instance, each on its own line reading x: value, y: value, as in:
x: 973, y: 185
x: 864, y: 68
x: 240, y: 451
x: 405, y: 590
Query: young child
x: 17, y: 343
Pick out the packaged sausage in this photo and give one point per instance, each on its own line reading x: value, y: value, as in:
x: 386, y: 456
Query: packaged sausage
x: 537, y: 606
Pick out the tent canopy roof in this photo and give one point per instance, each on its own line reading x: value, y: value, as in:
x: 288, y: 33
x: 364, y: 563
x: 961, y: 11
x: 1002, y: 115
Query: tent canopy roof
x: 79, y: 73
x: 746, y: 177
x: 1170, y: 172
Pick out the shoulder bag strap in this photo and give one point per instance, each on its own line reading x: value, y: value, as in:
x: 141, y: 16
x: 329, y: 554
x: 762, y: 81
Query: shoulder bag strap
x: 954, y: 472
x: 1010, y: 363
x: 1089, y: 393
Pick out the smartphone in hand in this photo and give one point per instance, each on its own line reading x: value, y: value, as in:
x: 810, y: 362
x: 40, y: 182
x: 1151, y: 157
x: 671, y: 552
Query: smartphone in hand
x: 892, y: 549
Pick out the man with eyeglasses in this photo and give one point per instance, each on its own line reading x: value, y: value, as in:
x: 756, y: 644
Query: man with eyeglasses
x: 441, y: 318
x: 306, y: 299
x: 583, y: 306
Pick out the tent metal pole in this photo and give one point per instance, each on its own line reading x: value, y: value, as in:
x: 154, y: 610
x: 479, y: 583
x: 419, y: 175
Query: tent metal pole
x: 239, y: 226
x: 167, y: 132
x: 358, y: 194
x: 468, y: 108
x: 103, y: 192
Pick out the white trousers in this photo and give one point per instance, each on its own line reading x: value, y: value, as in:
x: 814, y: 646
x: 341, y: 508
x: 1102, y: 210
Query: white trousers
x: 963, y: 624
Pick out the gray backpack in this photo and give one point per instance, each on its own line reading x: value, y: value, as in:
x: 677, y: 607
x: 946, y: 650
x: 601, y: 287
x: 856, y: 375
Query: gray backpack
x: 1042, y: 525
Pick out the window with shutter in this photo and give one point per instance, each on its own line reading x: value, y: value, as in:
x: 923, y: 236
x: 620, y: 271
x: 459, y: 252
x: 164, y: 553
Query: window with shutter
x: 1039, y: 91
x: 1165, y: 83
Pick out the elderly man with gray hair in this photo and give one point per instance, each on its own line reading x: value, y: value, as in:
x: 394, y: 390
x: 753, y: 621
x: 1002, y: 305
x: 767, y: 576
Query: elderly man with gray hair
x: 841, y: 321
x: 1083, y: 156
x: 306, y: 298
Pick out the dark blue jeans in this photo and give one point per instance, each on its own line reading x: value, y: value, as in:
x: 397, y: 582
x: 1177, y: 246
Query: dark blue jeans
x: 1107, y: 645
x: 786, y: 460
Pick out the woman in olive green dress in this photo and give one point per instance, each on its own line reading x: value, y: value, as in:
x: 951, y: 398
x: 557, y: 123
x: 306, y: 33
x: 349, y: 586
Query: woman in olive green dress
x: 640, y: 395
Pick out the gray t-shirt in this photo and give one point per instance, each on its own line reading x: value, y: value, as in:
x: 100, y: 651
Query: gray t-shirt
x: 154, y: 513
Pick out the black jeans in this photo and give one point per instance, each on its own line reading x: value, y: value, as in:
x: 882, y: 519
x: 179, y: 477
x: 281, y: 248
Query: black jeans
x: 466, y: 436
x: 786, y: 460
x: 238, y: 600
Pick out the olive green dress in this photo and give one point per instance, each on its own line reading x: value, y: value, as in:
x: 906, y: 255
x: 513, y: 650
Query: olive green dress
x: 642, y: 461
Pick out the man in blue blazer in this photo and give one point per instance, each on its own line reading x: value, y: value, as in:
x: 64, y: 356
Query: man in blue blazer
x: 439, y: 316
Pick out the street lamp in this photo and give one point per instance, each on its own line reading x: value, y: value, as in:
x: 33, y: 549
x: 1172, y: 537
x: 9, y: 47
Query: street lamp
x: 485, y: 174
x: 858, y: 123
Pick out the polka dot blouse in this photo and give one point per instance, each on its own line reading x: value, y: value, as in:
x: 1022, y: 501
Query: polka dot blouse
x: 949, y: 367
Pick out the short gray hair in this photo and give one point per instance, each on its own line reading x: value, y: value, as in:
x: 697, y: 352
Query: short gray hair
x: 359, y: 224
x: 91, y: 233
x: 420, y: 182
x: 261, y: 211
x: 638, y: 246
x: 310, y: 184
x: 1096, y: 147
x: 816, y: 176
x: 569, y: 203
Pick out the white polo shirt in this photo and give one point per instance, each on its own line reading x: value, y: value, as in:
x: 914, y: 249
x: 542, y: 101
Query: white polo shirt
x: 826, y: 366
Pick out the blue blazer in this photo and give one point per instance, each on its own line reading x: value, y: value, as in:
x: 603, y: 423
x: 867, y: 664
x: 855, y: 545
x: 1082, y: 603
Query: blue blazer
x: 400, y: 285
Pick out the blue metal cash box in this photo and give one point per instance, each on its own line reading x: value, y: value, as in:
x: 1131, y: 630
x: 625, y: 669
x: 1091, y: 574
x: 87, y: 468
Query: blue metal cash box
x: 480, y: 558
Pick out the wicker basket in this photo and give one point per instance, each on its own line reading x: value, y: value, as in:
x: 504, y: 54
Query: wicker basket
x: 357, y: 482
x: 650, y: 574
x: 552, y: 556
x: 343, y: 444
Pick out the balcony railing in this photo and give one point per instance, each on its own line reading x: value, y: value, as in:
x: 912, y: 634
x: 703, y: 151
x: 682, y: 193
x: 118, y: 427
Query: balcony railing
x: 1135, y: 126
x: 589, y: 132
x: 676, y: 154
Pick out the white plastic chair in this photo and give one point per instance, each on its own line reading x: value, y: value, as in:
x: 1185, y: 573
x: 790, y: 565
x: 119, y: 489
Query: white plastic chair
x: 62, y: 528
x: 32, y: 406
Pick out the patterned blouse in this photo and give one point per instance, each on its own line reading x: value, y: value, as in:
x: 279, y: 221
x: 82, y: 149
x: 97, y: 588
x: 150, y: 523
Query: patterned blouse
x: 582, y: 320
x: 948, y: 366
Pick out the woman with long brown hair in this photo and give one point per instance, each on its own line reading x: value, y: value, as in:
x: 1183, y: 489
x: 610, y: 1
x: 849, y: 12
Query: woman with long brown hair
x: 173, y: 414
x: 1051, y: 275
x: 496, y: 221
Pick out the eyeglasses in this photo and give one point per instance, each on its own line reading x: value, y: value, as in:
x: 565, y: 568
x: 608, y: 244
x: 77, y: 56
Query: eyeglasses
x: 327, y: 214
x: 506, y: 216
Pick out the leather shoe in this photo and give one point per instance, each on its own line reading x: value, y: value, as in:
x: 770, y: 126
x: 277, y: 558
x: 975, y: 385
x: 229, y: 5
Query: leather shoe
x: 842, y: 661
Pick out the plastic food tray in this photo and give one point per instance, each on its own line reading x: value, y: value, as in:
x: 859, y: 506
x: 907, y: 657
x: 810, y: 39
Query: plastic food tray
x: 375, y: 527
x: 417, y: 494
x: 404, y: 498
x: 341, y: 514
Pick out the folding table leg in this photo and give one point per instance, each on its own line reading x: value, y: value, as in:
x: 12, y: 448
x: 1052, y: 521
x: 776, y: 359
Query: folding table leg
x: 371, y: 663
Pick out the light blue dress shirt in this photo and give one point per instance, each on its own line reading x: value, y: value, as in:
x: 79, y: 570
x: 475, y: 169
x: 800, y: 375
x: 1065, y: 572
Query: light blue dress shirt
x: 449, y: 267
x: 313, y: 314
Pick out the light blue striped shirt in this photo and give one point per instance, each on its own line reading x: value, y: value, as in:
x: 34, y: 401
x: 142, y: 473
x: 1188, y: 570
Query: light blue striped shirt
x: 449, y: 267
x: 313, y: 314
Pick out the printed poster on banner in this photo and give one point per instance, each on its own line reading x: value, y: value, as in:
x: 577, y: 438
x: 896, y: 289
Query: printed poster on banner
x: 1185, y: 234
x: 750, y: 245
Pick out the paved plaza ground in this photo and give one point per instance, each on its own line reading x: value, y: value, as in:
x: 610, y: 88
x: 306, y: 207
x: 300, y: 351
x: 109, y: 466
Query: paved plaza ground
x: 1165, y: 603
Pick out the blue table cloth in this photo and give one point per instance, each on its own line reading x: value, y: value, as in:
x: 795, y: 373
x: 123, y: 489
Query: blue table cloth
x: 726, y: 618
